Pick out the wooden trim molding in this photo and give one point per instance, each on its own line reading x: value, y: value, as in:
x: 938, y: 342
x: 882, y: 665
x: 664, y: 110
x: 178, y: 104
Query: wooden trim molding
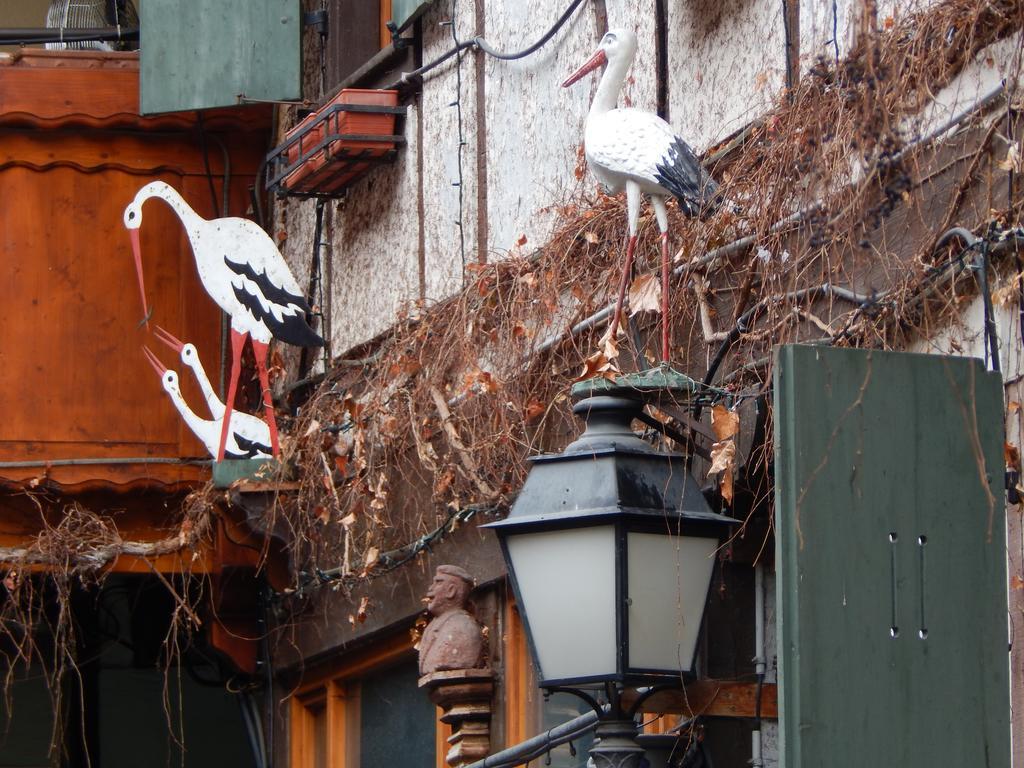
x: 332, y: 691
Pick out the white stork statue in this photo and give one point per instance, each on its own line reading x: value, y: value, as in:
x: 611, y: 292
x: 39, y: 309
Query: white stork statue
x: 638, y: 151
x: 249, y: 438
x: 245, y: 274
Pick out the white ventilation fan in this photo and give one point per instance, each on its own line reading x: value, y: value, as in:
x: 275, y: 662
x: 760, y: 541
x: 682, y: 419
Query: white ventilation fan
x: 90, y: 14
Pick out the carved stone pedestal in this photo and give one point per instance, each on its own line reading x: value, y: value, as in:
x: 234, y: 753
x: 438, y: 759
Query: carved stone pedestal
x: 465, y: 696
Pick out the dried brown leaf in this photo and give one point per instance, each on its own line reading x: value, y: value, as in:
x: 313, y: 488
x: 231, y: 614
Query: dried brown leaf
x: 1011, y: 455
x: 724, y: 422
x: 723, y: 458
x: 598, y: 364
x: 645, y: 294
x: 723, y: 455
x: 1006, y: 294
x: 533, y: 411
x: 444, y: 482
x: 1012, y: 161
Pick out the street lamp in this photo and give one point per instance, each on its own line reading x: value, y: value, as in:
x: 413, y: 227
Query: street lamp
x: 610, y: 550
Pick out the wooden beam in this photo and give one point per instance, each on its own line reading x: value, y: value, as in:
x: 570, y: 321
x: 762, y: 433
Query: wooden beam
x: 714, y: 698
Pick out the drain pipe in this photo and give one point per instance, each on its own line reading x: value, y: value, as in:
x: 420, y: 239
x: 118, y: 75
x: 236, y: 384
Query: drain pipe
x: 760, y: 665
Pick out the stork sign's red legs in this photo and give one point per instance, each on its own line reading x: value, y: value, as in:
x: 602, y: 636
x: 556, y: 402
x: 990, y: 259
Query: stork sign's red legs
x: 638, y: 151
x: 245, y: 274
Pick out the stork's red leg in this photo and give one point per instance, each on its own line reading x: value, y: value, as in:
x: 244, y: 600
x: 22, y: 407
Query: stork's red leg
x: 237, y: 342
x: 665, y: 336
x: 260, y: 353
x: 626, y: 270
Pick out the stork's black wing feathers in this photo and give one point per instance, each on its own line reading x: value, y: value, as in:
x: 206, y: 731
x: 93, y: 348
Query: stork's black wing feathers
x: 251, y: 447
x: 292, y: 328
x: 681, y: 173
x: 273, y: 293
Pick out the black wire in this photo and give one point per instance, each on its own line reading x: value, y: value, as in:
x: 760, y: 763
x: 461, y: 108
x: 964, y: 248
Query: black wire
x: 315, y: 288
x: 787, y: 47
x: 462, y: 140
x: 483, y: 45
x: 37, y: 36
x: 206, y: 164
x: 991, y: 333
x: 742, y: 323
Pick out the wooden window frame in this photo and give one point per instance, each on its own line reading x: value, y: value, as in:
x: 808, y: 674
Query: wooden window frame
x: 336, y: 687
x: 385, y: 17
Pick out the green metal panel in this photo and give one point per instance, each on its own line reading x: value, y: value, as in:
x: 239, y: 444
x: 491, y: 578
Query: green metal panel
x: 891, y: 559
x: 229, y: 471
x: 206, y: 53
x: 404, y: 11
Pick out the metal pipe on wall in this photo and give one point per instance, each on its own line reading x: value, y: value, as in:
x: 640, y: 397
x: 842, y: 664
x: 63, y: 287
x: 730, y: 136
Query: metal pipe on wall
x: 37, y: 35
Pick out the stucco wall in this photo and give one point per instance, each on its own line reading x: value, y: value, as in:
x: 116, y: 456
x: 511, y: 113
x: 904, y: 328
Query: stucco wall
x: 396, y: 236
x: 395, y: 242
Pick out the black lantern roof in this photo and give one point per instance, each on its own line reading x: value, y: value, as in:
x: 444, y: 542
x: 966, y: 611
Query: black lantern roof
x: 609, y: 472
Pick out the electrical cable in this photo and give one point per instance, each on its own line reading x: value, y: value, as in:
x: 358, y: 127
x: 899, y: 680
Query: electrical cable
x: 876, y: 301
x: 315, y: 287
x: 483, y: 45
x: 37, y: 35
x: 392, y: 559
x: 206, y: 164
x: 457, y: 104
x: 991, y: 334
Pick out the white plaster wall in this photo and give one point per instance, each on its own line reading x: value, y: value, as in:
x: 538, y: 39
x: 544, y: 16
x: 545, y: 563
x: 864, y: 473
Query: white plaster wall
x: 966, y: 337
x: 534, y: 130
x: 444, y: 257
x: 727, y: 65
x: 822, y: 21
x: 534, y: 125
x: 984, y: 74
x: 374, y: 254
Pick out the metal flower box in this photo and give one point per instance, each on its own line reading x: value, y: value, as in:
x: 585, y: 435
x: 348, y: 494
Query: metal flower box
x: 336, y: 145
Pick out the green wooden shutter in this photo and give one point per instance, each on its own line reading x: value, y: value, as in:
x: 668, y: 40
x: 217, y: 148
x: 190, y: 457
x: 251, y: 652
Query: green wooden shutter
x: 206, y: 53
x: 891, y: 559
x: 404, y: 11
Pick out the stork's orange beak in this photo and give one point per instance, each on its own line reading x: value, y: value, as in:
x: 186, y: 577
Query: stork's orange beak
x: 169, y: 339
x: 595, y: 61
x: 137, y: 253
x: 154, y: 361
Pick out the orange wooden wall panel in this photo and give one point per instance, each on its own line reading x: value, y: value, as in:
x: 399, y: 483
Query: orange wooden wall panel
x: 72, y: 373
x: 32, y: 91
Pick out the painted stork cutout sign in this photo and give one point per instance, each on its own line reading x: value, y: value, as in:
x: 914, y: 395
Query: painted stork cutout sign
x: 638, y: 151
x: 246, y: 276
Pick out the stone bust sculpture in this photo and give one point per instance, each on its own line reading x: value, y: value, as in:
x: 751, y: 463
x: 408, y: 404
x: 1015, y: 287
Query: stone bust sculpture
x: 453, y: 639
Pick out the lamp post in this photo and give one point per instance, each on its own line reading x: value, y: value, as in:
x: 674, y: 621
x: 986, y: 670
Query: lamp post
x: 610, y: 550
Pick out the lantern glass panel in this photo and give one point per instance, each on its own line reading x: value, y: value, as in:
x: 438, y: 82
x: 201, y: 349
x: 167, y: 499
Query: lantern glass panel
x: 669, y: 578
x: 566, y: 582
